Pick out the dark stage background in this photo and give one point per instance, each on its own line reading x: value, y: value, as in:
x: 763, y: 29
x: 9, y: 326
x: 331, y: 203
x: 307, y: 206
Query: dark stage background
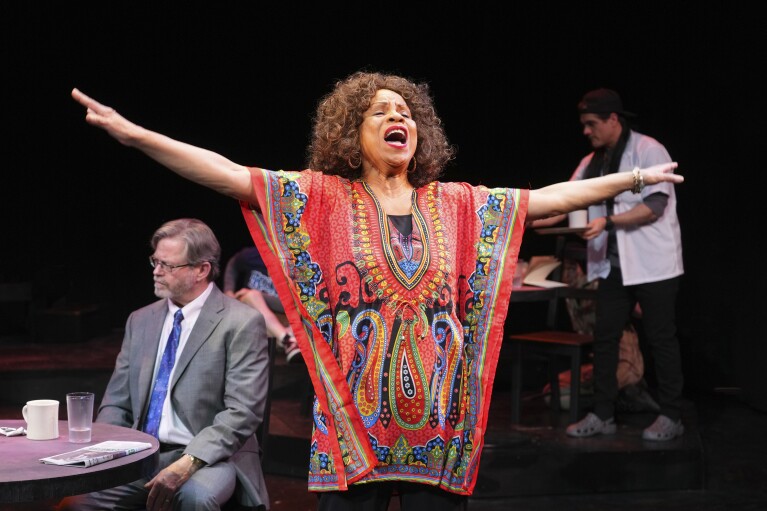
x: 78, y: 209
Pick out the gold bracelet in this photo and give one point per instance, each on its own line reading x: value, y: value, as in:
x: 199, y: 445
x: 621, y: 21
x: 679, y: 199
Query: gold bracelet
x: 638, y: 180
x: 197, y: 462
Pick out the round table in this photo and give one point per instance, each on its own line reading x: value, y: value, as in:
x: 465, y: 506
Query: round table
x: 24, y: 478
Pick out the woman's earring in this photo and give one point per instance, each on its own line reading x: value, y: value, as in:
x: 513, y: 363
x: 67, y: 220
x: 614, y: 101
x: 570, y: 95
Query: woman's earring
x: 359, y: 161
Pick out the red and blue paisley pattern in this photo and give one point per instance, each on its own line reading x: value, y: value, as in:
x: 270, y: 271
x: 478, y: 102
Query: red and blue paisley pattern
x: 401, y: 334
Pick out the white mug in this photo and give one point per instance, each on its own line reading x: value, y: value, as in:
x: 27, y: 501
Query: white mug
x: 578, y: 218
x: 42, y: 416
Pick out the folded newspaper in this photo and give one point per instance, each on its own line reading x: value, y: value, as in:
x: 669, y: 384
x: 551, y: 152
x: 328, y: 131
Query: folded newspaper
x: 538, y: 271
x: 97, y: 453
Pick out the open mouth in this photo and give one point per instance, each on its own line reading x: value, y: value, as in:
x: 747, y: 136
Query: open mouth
x: 396, y: 135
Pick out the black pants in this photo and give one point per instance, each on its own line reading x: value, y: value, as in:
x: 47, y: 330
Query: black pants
x: 376, y: 497
x: 615, y: 303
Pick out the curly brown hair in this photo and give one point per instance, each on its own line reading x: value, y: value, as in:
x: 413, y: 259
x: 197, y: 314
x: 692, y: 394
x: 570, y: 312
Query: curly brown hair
x: 335, y: 146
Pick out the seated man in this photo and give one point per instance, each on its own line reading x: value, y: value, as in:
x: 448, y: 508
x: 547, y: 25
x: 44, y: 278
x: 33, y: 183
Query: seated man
x: 246, y: 278
x: 192, y: 371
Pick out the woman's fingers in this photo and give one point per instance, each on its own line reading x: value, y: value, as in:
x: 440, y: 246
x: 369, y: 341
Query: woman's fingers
x: 660, y: 173
x: 85, y: 100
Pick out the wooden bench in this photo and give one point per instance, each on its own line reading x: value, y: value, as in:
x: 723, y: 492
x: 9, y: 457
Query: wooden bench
x: 552, y: 344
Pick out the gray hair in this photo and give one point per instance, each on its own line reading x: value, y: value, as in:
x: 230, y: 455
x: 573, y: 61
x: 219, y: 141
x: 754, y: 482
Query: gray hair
x: 201, y: 244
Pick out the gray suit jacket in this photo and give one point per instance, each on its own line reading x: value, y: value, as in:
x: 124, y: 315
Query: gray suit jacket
x: 218, y: 388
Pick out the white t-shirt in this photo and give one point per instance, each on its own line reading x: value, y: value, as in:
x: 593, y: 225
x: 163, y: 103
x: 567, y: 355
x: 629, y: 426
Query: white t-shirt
x: 648, y: 253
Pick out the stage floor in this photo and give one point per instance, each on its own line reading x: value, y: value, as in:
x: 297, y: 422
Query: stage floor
x: 532, y: 466
x: 720, y: 462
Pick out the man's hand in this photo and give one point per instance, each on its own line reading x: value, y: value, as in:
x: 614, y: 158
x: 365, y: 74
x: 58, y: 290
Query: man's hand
x: 166, y: 483
x: 594, y: 228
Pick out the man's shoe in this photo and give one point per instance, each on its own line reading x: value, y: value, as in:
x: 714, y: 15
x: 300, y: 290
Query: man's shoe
x: 591, y: 425
x: 663, y: 429
x: 289, y: 345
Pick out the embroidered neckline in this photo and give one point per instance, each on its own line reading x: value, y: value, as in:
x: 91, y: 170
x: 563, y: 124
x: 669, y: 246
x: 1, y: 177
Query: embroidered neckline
x: 377, y: 261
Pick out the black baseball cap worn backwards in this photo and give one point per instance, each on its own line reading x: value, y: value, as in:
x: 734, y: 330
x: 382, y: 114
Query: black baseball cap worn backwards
x: 602, y: 101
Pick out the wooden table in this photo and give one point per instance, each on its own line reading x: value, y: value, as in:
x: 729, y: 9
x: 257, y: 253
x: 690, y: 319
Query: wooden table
x: 23, y: 478
x: 533, y: 294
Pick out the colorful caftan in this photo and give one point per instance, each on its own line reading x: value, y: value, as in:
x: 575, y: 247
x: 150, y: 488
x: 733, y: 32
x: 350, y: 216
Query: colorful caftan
x: 400, y: 330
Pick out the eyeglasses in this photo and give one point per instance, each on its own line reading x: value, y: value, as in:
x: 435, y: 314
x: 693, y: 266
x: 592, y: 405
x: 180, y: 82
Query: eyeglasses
x: 154, y: 263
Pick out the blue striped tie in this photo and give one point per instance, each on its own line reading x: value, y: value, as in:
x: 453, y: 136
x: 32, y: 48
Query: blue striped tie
x: 153, y: 415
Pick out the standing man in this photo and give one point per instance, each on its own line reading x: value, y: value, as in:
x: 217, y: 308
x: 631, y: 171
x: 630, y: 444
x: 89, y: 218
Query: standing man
x: 192, y: 371
x: 635, y: 250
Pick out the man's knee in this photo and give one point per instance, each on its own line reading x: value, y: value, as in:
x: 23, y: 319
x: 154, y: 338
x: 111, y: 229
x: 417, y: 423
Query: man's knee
x: 194, y: 496
x: 208, y: 489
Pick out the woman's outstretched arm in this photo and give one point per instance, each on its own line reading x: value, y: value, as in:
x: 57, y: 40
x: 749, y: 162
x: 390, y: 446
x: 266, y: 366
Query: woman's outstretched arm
x: 194, y: 163
x: 569, y: 196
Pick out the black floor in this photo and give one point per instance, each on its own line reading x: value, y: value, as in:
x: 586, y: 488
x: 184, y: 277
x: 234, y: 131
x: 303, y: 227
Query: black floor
x: 734, y: 471
x: 724, y: 439
x: 727, y: 432
x: 735, y: 468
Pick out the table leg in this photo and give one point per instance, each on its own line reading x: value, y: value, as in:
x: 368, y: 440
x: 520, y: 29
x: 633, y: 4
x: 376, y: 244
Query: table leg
x: 575, y: 385
x: 556, y: 395
x: 516, y: 381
